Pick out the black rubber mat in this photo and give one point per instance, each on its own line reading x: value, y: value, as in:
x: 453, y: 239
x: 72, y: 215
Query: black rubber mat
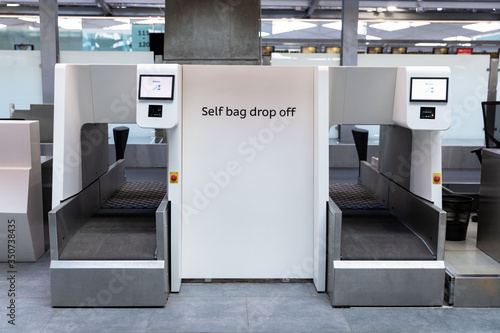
x: 380, y: 237
x: 137, y: 195
x: 353, y: 196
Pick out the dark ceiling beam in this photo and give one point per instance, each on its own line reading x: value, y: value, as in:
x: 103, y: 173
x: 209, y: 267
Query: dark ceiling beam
x: 86, y: 11
x: 105, y: 7
x: 318, y: 13
x: 312, y: 8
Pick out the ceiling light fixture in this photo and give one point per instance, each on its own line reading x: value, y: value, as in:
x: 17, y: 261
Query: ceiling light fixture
x: 483, y: 26
x: 280, y: 27
x: 457, y: 38
x: 431, y: 44
x: 394, y: 26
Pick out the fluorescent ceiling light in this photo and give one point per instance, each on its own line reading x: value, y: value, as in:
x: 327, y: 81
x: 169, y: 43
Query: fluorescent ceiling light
x: 430, y: 44
x: 152, y: 21
x: 369, y: 37
x: 483, y: 26
x: 119, y: 27
x: 2, y: 26
x: 457, y: 38
x: 122, y: 20
x: 280, y: 27
x: 439, y: 9
x: 13, y: 5
x: 30, y: 19
x: 465, y: 44
x: 394, y: 26
x: 70, y: 23
x: 263, y: 34
x: 392, y: 8
x: 338, y: 26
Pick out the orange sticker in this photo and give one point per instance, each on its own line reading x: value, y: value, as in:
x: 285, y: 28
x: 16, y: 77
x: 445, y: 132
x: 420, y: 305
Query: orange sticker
x: 436, y: 178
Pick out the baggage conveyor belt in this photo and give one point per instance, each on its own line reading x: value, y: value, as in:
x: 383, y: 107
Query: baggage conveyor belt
x: 371, y: 232
x: 124, y: 228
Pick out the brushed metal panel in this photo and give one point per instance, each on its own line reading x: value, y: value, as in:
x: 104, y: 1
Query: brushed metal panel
x: 388, y: 283
x: 69, y: 216
x: 94, y: 152
x: 111, y: 180
x: 395, y: 154
x: 425, y: 219
x: 108, y: 283
x: 333, y: 242
x: 479, y: 291
x: 488, y: 230
x: 374, y: 182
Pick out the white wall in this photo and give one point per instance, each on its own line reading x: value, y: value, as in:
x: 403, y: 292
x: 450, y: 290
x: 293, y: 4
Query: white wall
x: 20, y: 80
x: 243, y: 215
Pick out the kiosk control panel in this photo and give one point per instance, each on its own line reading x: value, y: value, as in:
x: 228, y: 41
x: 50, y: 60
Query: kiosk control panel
x: 158, y: 100
x: 421, y: 98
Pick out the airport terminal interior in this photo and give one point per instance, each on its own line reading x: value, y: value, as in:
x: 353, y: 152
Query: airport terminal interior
x: 249, y: 166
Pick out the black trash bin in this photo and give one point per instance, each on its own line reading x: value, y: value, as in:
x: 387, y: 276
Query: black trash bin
x: 458, y: 208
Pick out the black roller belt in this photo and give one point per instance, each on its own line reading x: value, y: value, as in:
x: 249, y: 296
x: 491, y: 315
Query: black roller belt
x: 353, y: 197
x: 137, y: 195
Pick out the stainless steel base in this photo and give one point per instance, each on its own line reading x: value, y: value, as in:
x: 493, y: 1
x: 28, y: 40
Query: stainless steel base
x: 108, y: 283
x: 472, y: 277
x: 387, y: 283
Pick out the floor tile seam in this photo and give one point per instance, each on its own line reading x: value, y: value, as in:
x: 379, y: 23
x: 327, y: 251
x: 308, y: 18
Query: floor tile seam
x: 48, y: 321
x: 342, y: 311
x: 248, y: 315
x: 149, y: 321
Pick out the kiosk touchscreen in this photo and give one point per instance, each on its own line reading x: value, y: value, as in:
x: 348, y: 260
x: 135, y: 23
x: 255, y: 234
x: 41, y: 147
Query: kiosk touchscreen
x: 158, y: 102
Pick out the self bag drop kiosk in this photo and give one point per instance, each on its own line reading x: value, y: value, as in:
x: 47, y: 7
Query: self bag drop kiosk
x: 386, y: 233
x: 240, y: 205
x: 247, y: 187
x: 109, y: 244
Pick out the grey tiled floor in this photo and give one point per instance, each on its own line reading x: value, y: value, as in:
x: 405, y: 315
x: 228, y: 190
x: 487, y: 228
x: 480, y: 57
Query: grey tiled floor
x: 228, y: 307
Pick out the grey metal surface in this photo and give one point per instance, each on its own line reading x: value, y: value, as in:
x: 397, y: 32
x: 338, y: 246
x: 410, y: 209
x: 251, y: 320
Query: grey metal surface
x: 422, y: 217
x: 49, y: 46
x: 472, y: 277
x: 111, y: 181
x: 474, y: 291
x: 44, y: 113
x: 214, y: 33
x: 108, y: 283
x: 124, y: 235
x: 378, y: 186
x: 162, y: 217
x: 395, y: 154
x: 388, y: 283
x: 349, y: 33
x: 488, y: 232
x: 68, y: 217
x: 333, y: 243
x: 377, y: 235
x: 94, y: 152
